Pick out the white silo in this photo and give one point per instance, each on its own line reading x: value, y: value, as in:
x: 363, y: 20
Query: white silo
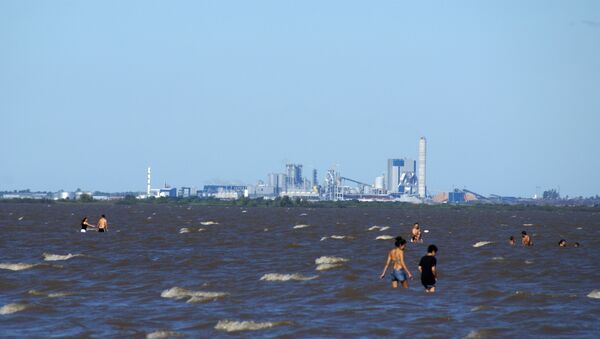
x: 380, y: 182
x: 421, y: 174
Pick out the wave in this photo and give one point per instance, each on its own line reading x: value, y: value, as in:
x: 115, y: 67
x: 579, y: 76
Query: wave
x: 201, y: 230
x: 235, y: 326
x: 327, y: 263
x: 337, y: 237
x: 527, y: 224
x: 57, y: 257
x: 384, y: 237
x: 208, y: 223
x: 12, y: 308
x: 194, y: 296
x: 595, y: 294
x: 17, y: 267
x: 497, y: 258
x: 303, y: 214
x: 286, y: 277
x: 378, y: 228
x: 184, y: 230
x: 162, y: 334
x: 482, y: 243
x: 49, y: 295
x: 301, y: 226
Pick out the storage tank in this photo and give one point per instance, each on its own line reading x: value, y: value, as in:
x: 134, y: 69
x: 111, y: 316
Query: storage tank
x: 380, y: 182
x: 421, y: 174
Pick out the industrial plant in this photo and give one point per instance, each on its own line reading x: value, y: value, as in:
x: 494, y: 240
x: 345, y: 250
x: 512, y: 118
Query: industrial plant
x: 403, y: 181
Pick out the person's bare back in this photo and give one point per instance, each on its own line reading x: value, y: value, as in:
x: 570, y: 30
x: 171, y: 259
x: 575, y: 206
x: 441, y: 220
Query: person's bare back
x: 102, y: 224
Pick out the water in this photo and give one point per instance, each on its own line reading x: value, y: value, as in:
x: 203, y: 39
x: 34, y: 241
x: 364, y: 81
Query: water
x: 257, y: 273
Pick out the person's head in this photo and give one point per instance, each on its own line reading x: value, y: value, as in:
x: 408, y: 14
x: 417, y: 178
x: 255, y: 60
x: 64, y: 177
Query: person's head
x: 523, y: 234
x: 85, y: 219
x: 432, y: 249
x: 511, y: 238
x: 576, y: 244
x: 416, y: 225
x: 103, y: 216
x: 562, y: 243
x: 400, y: 242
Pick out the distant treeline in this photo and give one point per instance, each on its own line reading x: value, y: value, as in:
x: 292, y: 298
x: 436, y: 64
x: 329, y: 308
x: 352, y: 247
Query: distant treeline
x: 297, y: 202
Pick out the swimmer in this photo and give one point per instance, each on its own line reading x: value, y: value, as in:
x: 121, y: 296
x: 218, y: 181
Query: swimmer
x: 416, y: 233
x: 511, y: 240
x: 102, y: 224
x: 525, y: 239
x: 400, y: 272
x: 576, y: 244
x: 427, y: 267
x: 562, y: 243
x: 85, y: 224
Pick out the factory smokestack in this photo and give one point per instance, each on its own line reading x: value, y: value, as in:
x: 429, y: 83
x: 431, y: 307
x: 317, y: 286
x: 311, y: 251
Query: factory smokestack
x: 148, y: 183
x: 421, y: 178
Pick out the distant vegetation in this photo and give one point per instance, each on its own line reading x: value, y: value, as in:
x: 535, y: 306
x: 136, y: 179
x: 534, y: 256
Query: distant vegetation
x: 287, y: 202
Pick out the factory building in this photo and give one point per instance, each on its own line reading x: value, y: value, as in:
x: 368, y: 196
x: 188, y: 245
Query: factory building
x: 402, y: 177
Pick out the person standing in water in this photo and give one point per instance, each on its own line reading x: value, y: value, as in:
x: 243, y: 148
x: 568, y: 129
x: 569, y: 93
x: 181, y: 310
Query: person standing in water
x: 102, y: 224
x: 511, y: 240
x: 400, y: 272
x: 525, y: 239
x: 85, y: 224
x: 416, y: 233
x: 427, y: 267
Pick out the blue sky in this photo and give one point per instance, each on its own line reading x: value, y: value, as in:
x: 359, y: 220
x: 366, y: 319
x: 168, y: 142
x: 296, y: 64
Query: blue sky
x: 506, y: 92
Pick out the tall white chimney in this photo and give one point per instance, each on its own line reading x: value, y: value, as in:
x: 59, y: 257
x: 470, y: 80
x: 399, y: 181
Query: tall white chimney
x: 421, y: 174
x: 148, y: 184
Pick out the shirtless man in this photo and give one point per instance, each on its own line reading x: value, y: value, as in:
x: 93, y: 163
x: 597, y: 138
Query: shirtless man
x: 525, y: 239
x: 102, y: 224
x: 400, y: 272
x: 416, y: 233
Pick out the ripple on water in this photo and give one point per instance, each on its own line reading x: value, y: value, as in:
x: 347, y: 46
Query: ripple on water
x: 194, y: 296
x: 286, y: 277
x: 17, y: 266
x: 235, y: 326
x: 162, y: 334
x: 12, y: 308
x: 58, y: 257
x: 327, y: 263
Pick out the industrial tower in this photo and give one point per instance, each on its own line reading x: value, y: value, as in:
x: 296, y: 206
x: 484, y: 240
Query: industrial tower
x: 421, y: 179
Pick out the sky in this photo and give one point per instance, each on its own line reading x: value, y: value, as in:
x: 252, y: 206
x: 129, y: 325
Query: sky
x: 507, y: 93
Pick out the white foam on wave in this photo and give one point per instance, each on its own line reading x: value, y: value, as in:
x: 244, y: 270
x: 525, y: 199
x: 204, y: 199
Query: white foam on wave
x: 286, y: 277
x: 378, y: 228
x: 20, y: 218
x: 527, y: 224
x: 12, y: 308
x: 497, y: 258
x: 184, y: 230
x: 303, y: 214
x: 194, y: 296
x: 162, y: 334
x: 337, y: 237
x: 327, y: 263
x: 324, y: 238
x: 301, y: 226
x: 528, y: 262
x: 235, y: 326
x: 384, y: 237
x: 595, y: 294
x: 17, y: 267
x: 201, y: 230
x: 49, y: 295
x: 208, y: 223
x: 482, y: 243
x: 57, y: 257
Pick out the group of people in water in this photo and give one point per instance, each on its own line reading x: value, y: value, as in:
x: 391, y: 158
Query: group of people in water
x: 427, y: 265
x: 401, y: 273
x: 101, y: 225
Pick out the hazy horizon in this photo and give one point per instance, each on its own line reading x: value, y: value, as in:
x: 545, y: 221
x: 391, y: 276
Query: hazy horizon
x: 506, y: 92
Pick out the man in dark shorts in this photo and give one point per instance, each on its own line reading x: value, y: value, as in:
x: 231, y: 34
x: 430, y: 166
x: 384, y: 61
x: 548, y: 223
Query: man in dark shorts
x: 427, y: 267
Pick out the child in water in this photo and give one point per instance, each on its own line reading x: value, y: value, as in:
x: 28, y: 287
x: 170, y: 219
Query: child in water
x: 427, y: 267
x: 525, y: 239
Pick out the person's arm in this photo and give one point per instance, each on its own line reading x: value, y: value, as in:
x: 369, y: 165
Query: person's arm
x: 420, y: 269
x: 404, y: 265
x: 434, y: 272
x: 389, y: 258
